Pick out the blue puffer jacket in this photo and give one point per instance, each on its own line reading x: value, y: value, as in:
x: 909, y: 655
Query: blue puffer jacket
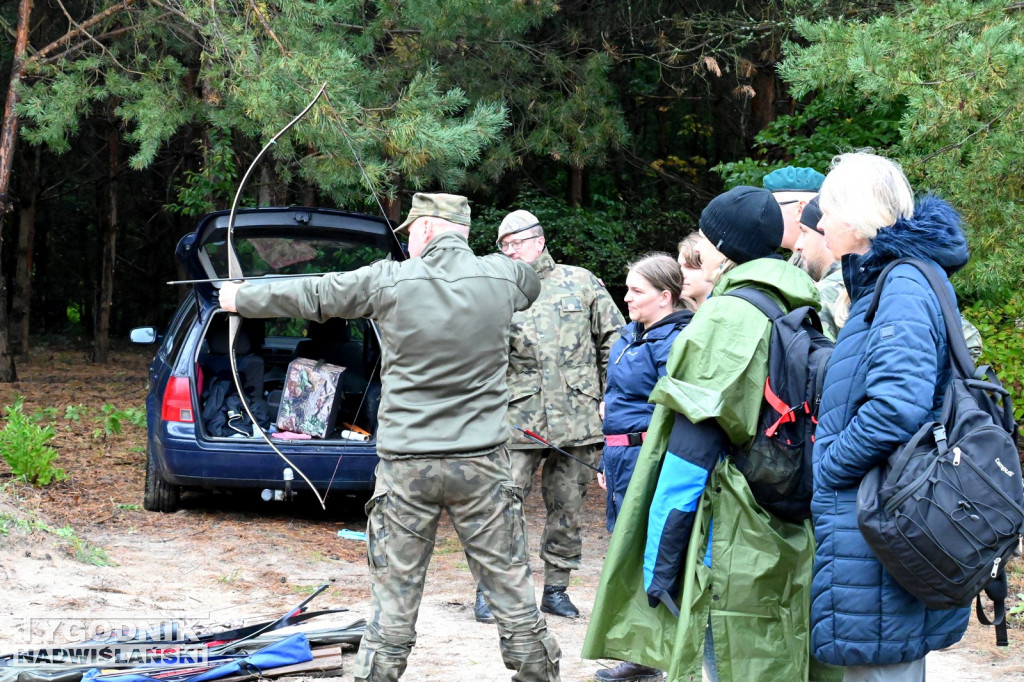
x: 883, y: 382
x: 636, y: 363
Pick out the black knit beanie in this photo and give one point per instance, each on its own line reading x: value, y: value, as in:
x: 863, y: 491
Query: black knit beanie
x: 744, y: 223
x: 811, y: 215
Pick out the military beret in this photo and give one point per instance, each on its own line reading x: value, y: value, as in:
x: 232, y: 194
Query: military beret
x: 451, y: 207
x: 516, y: 221
x: 793, y: 179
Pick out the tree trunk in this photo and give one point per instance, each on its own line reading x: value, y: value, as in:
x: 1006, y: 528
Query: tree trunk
x: 265, y: 192
x: 8, y: 138
x: 393, y: 207
x: 574, y: 187
x: 101, y: 335
x: 21, y: 298
x: 9, y: 130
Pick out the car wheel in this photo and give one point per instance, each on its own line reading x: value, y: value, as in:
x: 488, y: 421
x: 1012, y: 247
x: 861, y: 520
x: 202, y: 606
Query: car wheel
x: 160, y: 496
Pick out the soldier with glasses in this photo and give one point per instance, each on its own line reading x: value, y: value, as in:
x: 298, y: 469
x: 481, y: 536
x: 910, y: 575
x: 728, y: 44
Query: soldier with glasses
x: 557, y: 365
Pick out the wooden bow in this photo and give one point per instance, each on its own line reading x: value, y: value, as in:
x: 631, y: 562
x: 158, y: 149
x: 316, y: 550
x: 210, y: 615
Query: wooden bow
x: 235, y: 274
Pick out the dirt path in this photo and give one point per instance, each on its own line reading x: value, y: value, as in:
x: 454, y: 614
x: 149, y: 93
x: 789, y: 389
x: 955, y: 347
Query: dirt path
x: 223, y: 559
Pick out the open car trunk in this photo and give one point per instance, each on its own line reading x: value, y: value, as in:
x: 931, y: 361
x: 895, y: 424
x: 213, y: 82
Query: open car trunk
x: 331, y: 394
x: 333, y: 391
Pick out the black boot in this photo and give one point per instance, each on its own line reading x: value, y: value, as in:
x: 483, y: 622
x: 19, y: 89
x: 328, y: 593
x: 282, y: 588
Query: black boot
x: 556, y: 602
x: 482, y: 611
x: 628, y: 672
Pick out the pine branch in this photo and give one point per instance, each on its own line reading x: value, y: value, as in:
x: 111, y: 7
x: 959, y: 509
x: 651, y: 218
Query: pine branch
x: 956, y: 145
x: 81, y: 28
x: 266, y: 25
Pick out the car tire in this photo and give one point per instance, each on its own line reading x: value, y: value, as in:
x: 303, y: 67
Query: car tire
x: 159, y: 496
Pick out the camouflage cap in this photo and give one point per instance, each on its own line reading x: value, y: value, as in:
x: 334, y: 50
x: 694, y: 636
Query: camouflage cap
x: 793, y: 179
x: 451, y: 207
x: 517, y: 221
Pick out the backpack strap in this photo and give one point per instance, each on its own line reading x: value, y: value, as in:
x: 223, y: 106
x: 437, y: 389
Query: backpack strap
x: 959, y: 355
x: 760, y: 300
x: 996, y: 590
x: 770, y: 308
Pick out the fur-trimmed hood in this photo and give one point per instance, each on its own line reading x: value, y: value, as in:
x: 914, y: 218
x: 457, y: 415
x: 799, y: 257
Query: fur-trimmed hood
x: 933, y: 233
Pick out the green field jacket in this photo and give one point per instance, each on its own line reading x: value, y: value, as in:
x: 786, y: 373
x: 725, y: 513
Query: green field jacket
x: 444, y: 321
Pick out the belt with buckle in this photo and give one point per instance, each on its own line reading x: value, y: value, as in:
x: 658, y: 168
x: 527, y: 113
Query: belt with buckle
x: 636, y: 438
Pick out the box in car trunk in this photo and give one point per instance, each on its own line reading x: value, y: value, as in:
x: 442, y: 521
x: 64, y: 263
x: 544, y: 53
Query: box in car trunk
x: 310, y: 398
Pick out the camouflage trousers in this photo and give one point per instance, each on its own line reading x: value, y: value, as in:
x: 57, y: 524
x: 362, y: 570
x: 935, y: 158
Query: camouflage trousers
x: 563, y: 485
x: 486, y: 509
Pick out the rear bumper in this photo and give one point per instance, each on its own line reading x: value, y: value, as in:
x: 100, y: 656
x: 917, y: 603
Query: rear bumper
x: 184, y: 460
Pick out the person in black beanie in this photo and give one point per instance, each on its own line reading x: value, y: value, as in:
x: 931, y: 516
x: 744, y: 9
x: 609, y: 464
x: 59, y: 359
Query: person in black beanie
x: 697, y: 515
x: 743, y: 224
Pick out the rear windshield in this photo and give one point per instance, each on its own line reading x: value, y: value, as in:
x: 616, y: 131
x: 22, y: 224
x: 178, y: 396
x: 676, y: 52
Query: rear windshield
x: 294, y: 256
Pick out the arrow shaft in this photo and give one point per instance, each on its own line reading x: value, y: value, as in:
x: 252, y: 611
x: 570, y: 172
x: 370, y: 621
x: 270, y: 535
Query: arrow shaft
x: 543, y: 441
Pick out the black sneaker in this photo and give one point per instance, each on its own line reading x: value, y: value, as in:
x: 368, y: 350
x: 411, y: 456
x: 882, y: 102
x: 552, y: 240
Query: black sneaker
x: 556, y: 602
x: 481, y: 610
x: 628, y: 672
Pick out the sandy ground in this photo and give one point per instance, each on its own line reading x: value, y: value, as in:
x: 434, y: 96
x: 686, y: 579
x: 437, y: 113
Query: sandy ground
x: 224, y: 560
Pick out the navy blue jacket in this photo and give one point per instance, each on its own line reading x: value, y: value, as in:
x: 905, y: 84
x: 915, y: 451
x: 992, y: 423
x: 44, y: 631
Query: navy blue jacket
x: 883, y: 382
x: 636, y: 363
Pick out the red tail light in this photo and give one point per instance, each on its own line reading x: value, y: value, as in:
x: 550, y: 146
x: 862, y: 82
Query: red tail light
x: 177, y: 405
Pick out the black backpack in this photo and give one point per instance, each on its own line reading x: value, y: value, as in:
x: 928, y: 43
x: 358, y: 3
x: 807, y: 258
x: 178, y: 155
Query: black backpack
x: 945, y: 512
x: 778, y: 463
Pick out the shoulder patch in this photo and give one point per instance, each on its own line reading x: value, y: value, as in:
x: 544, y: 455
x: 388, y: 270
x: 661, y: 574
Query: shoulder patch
x: 571, y: 304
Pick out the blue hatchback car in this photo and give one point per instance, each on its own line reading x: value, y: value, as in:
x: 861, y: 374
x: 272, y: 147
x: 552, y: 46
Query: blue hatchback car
x: 197, y: 435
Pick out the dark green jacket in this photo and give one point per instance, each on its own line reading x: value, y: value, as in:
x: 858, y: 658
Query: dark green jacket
x: 444, y: 321
x: 757, y: 589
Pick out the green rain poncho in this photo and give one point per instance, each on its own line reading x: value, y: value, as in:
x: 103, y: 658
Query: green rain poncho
x: 757, y: 590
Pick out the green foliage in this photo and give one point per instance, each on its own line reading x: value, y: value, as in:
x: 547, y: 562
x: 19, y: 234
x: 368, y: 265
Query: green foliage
x: 814, y: 134
x: 73, y: 413
x: 957, y: 69
x: 245, y: 70
x: 23, y: 445
x: 80, y: 548
x: 602, y: 238
x: 1002, y: 331
x: 215, y: 179
x: 111, y: 419
x: 47, y: 414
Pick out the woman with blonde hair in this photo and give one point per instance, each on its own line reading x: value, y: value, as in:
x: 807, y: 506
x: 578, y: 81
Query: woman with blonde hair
x: 696, y: 288
x: 885, y: 379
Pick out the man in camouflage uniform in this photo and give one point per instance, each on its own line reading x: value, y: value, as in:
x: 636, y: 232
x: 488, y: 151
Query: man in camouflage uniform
x: 557, y: 368
x: 793, y: 187
x: 444, y: 317
x: 818, y: 262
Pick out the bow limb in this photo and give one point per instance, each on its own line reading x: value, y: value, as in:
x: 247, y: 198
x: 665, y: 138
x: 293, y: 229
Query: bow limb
x: 235, y: 273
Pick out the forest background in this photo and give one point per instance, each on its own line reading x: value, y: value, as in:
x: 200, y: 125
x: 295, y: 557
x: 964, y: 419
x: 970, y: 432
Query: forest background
x: 614, y: 121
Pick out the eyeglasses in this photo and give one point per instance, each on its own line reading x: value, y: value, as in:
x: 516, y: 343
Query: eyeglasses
x: 514, y: 244
x: 791, y: 201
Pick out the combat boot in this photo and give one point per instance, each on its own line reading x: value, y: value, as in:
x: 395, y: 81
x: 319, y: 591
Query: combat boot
x: 481, y: 610
x: 556, y: 602
x: 628, y: 672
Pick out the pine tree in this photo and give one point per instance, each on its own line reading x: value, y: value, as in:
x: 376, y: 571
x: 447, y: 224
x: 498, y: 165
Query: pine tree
x: 956, y: 67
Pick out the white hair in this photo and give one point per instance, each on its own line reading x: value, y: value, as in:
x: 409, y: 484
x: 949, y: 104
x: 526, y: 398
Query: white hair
x: 866, y: 191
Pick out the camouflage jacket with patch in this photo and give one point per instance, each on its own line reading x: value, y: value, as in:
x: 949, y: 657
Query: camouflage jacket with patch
x: 834, y: 302
x: 558, y: 358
